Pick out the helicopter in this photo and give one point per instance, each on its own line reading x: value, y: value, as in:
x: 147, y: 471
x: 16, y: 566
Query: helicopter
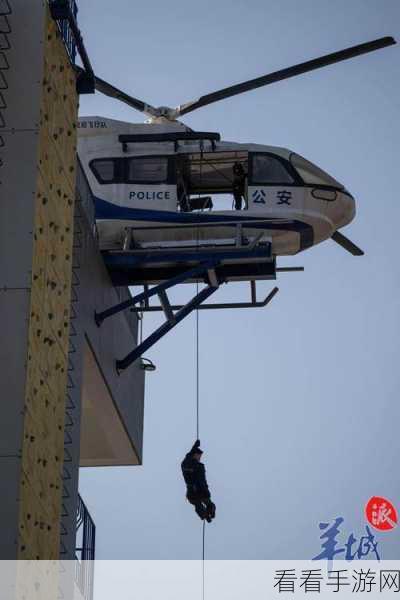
x: 159, y: 184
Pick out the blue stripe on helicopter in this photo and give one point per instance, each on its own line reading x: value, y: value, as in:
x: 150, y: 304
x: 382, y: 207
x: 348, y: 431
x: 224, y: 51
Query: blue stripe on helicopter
x: 108, y: 211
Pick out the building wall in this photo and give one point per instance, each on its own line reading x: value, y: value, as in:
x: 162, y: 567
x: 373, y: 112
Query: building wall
x: 70, y: 472
x: 38, y: 149
x: 48, y: 337
x: 52, y: 279
x: 117, y: 335
x: 93, y: 290
x: 49, y: 318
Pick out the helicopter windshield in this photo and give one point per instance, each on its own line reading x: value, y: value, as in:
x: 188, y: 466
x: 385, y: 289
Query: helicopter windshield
x: 312, y: 174
x: 267, y: 169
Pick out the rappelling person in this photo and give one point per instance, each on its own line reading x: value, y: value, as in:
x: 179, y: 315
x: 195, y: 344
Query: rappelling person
x: 239, y: 184
x: 194, y: 474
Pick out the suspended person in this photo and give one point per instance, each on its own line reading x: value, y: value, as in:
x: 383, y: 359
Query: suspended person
x: 239, y: 184
x: 194, y: 474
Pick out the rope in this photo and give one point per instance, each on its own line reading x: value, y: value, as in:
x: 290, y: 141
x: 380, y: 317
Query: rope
x: 197, y: 332
x: 197, y: 370
x: 198, y: 394
x: 203, y: 562
x: 198, y: 429
x: 198, y: 425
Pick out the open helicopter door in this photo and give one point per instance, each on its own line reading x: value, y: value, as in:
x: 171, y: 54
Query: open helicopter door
x: 212, y: 174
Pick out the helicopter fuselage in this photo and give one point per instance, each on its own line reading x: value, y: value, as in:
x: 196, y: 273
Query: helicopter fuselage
x: 169, y: 191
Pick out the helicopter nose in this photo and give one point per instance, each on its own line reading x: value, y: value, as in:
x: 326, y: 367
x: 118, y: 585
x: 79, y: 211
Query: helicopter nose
x: 347, y: 208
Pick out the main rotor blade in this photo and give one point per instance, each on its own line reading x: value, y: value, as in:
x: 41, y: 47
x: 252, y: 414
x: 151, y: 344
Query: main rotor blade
x: 304, y: 67
x: 347, y: 244
x: 109, y: 90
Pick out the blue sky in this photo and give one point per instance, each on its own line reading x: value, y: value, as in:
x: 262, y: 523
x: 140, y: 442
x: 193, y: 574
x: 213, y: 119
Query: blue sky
x: 299, y: 401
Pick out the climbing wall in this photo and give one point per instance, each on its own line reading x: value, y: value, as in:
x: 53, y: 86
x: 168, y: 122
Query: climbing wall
x: 38, y: 113
x: 52, y: 278
x: 48, y: 336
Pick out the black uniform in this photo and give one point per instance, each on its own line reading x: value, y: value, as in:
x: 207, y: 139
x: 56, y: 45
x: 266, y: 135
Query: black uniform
x: 198, y: 494
x: 239, y: 184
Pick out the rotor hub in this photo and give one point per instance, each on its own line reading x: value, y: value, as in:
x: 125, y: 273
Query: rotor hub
x: 166, y: 112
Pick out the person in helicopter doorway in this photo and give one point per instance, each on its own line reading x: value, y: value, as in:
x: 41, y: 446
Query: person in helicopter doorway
x: 239, y: 184
x: 194, y: 474
x: 183, y: 199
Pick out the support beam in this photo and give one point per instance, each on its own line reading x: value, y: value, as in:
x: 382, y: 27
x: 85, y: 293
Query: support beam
x: 166, y: 306
x: 212, y: 277
x: 165, y: 328
x: 148, y: 293
x: 253, y: 291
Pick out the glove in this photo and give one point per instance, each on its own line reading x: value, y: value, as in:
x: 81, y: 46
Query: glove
x: 195, y: 446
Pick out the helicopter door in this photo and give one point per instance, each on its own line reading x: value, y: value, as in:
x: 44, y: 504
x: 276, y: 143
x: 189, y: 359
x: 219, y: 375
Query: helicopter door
x: 272, y: 184
x: 212, y: 174
x: 150, y: 183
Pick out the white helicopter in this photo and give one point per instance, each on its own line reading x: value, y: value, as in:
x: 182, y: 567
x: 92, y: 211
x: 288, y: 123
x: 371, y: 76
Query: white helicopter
x: 162, y: 185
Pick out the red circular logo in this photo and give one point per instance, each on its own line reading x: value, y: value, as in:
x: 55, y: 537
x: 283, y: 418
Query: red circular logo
x: 381, y: 513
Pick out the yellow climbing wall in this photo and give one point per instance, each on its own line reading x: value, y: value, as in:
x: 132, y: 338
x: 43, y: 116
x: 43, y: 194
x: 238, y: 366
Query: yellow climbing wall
x: 45, y: 393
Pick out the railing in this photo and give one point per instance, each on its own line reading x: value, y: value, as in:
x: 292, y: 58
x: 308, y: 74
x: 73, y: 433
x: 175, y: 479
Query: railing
x: 65, y: 29
x: 64, y: 12
x: 85, y: 196
x: 85, y: 551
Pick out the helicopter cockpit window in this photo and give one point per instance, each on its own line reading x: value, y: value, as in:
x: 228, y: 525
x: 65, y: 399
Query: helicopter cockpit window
x: 269, y: 170
x: 312, y: 174
x: 104, y: 169
x: 147, y: 170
